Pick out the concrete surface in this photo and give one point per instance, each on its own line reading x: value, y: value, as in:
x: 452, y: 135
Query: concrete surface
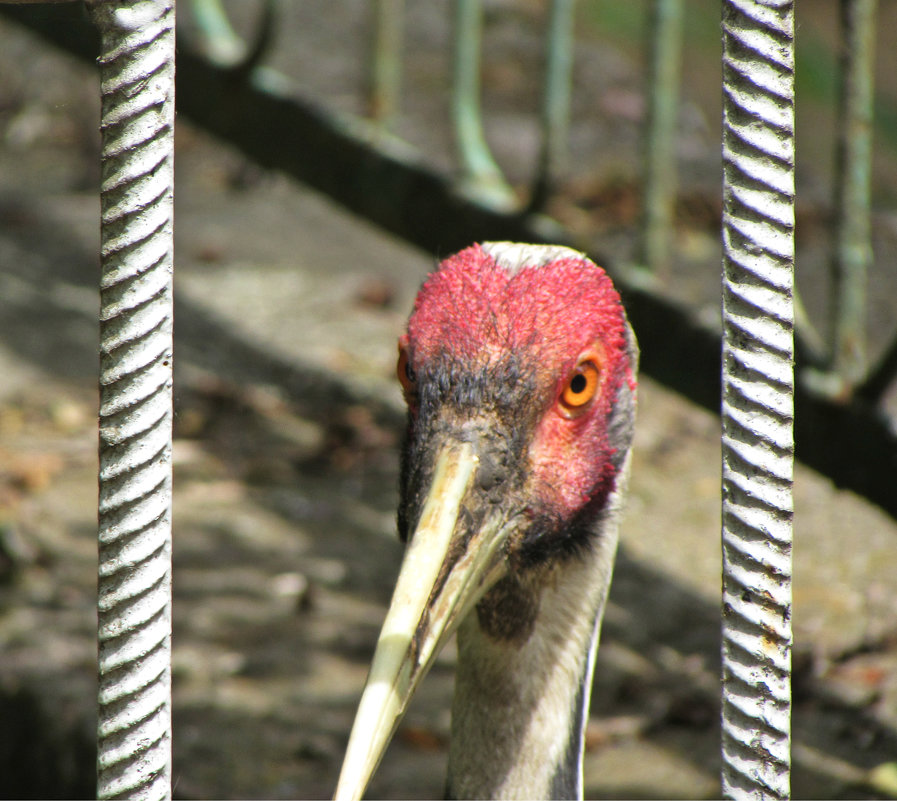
x: 285, y: 469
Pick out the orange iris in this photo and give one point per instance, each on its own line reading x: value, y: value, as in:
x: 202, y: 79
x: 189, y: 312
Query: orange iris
x: 581, y: 386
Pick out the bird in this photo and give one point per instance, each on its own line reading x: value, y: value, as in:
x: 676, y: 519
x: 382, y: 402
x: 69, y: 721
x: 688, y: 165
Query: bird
x: 519, y: 371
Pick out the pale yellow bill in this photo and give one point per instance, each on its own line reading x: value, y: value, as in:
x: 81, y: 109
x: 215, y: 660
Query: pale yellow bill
x: 397, y: 668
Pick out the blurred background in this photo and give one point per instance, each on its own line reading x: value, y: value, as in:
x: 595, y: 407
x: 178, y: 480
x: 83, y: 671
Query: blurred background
x: 288, y: 419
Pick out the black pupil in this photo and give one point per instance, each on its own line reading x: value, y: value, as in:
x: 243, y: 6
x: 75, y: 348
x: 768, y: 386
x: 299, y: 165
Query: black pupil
x: 409, y: 373
x: 578, y: 383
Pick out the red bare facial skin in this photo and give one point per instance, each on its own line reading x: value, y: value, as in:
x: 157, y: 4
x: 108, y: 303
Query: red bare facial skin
x: 554, y: 317
x: 570, y: 454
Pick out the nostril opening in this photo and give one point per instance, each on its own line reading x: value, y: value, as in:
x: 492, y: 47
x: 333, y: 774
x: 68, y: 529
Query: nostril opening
x: 490, y: 473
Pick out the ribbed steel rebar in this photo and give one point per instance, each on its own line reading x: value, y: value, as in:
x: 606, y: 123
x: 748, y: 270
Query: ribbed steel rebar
x: 134, y: 604
x: 757, y: 410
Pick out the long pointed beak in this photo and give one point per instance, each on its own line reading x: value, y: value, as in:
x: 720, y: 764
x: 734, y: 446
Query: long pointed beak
x: 444, y: 574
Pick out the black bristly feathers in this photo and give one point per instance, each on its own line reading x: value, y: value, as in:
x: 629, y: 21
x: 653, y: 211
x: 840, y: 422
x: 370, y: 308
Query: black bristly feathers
x: 452, y: 400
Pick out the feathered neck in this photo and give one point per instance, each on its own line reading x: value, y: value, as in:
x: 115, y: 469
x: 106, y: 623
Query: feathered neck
x: 521, y: 703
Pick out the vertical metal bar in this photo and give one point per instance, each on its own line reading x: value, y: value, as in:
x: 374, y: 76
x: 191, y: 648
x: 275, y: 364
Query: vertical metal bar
x: 386, y: 61
x: 481, y: 176
x: 664, y: 69
x: 853, y: 249
x: 134, y: 604
x: 558, y: 88
x: 757, y: 408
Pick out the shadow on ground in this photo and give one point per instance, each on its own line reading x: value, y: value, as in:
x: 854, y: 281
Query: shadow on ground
x: 284, y: 557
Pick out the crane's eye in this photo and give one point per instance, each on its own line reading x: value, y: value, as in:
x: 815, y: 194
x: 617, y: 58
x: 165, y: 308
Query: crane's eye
x: 404, y: 371
x: 582, y: 385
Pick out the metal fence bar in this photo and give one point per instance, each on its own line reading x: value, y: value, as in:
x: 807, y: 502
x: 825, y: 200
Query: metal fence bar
x: 386, y: 60
x: 662, y: 89
x: 134, y: 739
x: 557, y: 91
x: 134, y: 604
x: 757, y: 409
x: 481, y: 177
x: 853, y: 247
x: 219, y: 40
x: 222, y: 45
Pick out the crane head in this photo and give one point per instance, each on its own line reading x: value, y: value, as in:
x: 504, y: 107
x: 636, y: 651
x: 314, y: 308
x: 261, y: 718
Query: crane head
x: 518, y: 368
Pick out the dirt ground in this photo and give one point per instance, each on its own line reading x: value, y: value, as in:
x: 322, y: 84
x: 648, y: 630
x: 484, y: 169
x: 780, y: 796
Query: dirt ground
x: 286, y: 427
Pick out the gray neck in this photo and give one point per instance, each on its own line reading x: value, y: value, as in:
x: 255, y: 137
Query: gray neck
x: 520, y: 706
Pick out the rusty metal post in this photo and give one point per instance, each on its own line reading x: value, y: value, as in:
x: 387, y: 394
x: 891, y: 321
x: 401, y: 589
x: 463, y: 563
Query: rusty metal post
x: 757, y: 409
x: 134, y: 604
x: 853, y: 247
x: 662, y: 91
